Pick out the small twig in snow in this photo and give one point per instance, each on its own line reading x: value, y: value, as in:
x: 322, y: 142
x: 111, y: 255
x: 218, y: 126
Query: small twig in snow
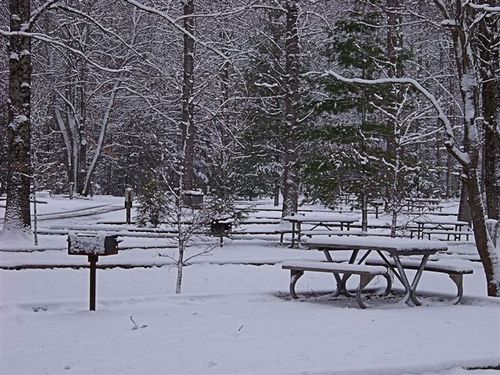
x: 135, y: 325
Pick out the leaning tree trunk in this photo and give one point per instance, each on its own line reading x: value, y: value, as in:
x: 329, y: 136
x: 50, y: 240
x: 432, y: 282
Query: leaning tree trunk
x: 290, y: 173
x: 188, y: 127
x: 467, y: 68
x: 17, y: 209
x: 487, y: 253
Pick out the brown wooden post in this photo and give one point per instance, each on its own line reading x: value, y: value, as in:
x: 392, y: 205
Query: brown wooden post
x: 364, y: 214
x: 128, y: 204
x: 93, y: 265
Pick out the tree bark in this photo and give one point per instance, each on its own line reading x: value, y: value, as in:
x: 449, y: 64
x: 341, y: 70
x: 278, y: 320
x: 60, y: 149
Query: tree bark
x: 188, y: 126
x: 394, y: 44
x: 82, y: 137
x: 469, y: 88
x: 489, y: 38
x: 17, y: 209
x: 290, y: 173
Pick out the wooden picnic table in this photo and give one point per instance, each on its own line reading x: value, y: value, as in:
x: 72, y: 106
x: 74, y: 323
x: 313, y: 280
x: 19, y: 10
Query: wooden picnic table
x: 424, y: 200
x: 394, y: 247
x: 434, y: 224
x: 318, y: 219
x: 421, y: 203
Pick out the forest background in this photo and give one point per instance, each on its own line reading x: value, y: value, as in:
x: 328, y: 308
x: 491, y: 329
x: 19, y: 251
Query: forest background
x: 383, y: 99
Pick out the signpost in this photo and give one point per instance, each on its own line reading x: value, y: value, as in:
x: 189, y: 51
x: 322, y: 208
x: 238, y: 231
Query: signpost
x: 92, y: 245
x: 129, y: 196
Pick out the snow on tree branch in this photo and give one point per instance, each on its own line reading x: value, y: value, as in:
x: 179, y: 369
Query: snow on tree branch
x: 48, y: 39
x: 172, y: 21
x: 485, y: 7
x: 450, y: 143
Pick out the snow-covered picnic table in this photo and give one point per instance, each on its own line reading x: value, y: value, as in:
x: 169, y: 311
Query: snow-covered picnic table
x: 319, y: 219
x: 440, y: 224
x: 383, y: 246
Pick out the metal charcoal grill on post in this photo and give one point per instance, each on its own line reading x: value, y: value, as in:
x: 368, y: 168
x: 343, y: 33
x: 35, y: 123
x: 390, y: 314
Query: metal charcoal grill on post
x: 221, y: 226
x: 192, y: 199
x: 93, y: 246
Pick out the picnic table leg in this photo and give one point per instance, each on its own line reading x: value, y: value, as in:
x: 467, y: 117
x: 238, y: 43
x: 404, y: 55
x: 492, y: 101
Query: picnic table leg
x: 346, y: 276
x: 458, y: 280
x: 410, y: 289
x: 416, y: 279
x: 338, y: 279
x: 299, y: 233
x: 420, y: 232
x: 294, y: 277
x: 404, y: 280
x: 390, y: 266
x: 293, y: 234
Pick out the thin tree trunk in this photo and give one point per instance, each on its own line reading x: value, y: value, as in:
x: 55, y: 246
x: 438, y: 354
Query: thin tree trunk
x: 394, y: 44
x: 17, y: 209
x: 188, y: 126
x: 290, y: 175
x: 489, y: 38
x: 82, y: 140
x: 102, y: 137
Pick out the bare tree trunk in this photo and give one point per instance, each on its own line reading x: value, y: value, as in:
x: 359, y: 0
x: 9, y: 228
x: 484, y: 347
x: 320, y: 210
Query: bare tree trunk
x: 188, y: 126
x: 181, y: 245
x: 394, y: 44
x: 489, y: 38
x: 470, y: 95
x: 17, y: 209
x: 82, y: 139
x: 290, y: 175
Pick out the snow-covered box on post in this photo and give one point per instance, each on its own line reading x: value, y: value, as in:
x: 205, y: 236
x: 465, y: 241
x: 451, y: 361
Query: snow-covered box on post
x: 92, y: 244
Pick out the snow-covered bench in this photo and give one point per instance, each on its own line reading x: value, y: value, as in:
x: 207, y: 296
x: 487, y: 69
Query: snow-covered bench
x: 366, y: 274
x: 315, y: 232
x: 457, y: 235
x: 454, y: 271
x: 327, y: 232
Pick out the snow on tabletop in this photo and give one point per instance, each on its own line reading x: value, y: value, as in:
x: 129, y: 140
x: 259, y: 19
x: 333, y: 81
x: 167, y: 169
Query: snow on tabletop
x: 322, y: 217
x: 399, y: 244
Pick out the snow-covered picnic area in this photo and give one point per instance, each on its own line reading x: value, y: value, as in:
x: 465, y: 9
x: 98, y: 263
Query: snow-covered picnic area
x: 234, y: 315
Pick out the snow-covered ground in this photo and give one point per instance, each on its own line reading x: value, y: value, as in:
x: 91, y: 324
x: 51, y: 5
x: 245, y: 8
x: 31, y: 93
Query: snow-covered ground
x: 233, y: 316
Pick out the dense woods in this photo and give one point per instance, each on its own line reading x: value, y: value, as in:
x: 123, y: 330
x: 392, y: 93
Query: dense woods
x: 384, y: 99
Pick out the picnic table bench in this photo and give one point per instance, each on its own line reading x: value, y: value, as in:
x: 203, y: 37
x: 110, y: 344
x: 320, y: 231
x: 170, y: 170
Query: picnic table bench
x: 432, y: 226
x: 366, y: 274
x: 455, y: 234
x: 455, y: 272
